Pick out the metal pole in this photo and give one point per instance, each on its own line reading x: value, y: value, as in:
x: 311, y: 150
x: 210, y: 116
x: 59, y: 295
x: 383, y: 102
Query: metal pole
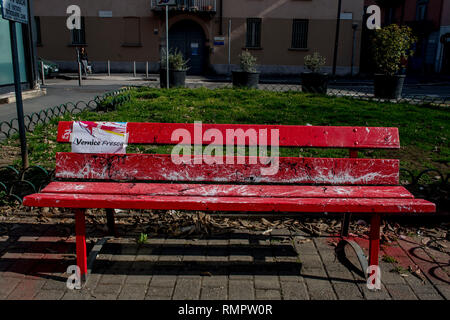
x: 167, y: 46
x: 42, y: 73
x: 336, y: 41
x: 79, y: 66
x: 109, y: 68
x: 146, y: 69
x: 134, y: 69
x: 354, y: 27
x: 18, y: 89
x: 229, y: 46
x: 79, y: 73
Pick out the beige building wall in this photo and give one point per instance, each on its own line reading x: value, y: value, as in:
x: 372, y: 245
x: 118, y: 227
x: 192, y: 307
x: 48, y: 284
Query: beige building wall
x: 105, y: 36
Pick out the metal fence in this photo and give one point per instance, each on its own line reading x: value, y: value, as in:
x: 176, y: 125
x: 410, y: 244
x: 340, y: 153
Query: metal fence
x: 360, y: 92
x: 9, y: 128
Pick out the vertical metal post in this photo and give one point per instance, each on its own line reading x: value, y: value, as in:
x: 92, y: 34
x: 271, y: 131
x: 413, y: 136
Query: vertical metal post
x: 336, y: 40
x: 134, y: 69
x: 79, y: 73
x: 146, y: 69
x: 109, y: 68
x: 167, y: 46
x: 18, y: 89
x: 354, y: 27
x: 229, y: 46
x: 42, y: 73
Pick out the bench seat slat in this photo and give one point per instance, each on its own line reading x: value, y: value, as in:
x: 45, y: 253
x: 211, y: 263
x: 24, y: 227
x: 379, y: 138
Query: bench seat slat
x: 247, y: 204
x: 214, y: 190
x: 290, y: 136
x: 150, y: 167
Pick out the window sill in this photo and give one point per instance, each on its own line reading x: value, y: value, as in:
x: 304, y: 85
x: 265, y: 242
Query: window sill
x: 131, y: 44
x: 252, y: 48
x: 298, y: 49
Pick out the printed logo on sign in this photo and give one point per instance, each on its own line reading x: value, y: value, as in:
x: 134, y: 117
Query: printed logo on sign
x: 99, y: 137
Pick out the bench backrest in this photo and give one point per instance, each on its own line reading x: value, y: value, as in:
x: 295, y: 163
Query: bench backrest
x: 345, y: 171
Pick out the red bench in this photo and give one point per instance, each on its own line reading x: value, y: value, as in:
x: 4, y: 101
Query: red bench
x: 301, y: 185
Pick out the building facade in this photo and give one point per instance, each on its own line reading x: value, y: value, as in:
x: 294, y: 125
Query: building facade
x: 279, y: 33
x: 430, y: 21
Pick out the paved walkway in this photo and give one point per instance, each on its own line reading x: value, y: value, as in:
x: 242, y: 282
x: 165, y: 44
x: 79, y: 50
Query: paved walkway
x: 241, y: 265
x: 63, y: 91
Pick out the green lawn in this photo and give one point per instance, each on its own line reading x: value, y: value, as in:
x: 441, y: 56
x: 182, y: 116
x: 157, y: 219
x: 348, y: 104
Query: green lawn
x: 424, y: 130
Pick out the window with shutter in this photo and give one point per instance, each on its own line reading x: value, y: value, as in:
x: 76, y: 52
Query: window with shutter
x: 253, y: 33
x: 300, y: 34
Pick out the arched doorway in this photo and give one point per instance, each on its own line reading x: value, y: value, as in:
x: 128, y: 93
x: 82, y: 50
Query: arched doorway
x: 188, y: 37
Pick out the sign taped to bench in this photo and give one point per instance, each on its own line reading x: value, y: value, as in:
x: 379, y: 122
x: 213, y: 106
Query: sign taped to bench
x: 99, y: 137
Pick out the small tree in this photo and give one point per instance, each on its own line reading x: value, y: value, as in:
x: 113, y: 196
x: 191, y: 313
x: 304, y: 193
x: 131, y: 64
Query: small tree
x: 314, y: 62
x: 247, y: 62
x: 392, y: 44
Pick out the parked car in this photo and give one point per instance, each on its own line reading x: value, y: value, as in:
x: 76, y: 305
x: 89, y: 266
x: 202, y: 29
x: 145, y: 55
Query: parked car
x: 51, y: 69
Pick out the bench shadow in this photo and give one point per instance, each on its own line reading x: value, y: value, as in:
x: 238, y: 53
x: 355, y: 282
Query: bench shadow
x: 47, y: 259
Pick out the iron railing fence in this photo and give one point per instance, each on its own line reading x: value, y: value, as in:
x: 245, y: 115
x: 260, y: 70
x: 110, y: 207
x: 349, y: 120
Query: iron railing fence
x: 354, y: 92
x: 9, y: 128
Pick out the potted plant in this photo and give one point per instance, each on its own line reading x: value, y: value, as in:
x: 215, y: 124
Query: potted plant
x: 391, y: 47
x: 248, y: 76
x: 314, y: 81
x: 177, y: 70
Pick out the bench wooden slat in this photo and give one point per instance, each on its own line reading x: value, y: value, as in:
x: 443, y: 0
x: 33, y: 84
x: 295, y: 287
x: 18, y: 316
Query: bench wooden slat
x: 290, y: 136
x: 248, y: 204
x: 214, y: 190
x: 149, y: 167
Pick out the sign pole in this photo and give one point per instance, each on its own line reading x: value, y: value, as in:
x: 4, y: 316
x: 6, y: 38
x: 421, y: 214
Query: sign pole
x: 167, y: 45
x: 18, y: 89
x: 229, y: 46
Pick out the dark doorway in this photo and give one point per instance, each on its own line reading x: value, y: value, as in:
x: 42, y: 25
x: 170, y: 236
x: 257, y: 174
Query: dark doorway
x: 188, y: 37
x: 446, y: 59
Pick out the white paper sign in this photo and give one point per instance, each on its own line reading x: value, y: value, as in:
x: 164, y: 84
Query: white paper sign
x: 99, y: 137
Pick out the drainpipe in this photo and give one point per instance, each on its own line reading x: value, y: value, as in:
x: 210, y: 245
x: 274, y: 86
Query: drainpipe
x: 336, y: 41
x: 221, y: 18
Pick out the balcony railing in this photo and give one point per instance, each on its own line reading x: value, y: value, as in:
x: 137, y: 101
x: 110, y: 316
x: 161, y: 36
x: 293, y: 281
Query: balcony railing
x: 189, y: 5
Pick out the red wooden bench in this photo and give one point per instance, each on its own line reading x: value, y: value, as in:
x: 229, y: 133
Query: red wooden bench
x: 302, y: 185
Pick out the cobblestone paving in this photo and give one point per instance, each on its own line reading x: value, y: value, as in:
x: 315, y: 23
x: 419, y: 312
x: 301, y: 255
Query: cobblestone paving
x: 241, y: 265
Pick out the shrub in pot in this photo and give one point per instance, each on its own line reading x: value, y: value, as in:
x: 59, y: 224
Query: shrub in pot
x: 314, y: 81
x: 177, y: 70
x: 248, y: 76
x: 391, y: 46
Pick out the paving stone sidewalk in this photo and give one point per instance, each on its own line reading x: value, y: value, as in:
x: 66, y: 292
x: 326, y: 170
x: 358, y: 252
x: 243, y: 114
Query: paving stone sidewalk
x: 240, y: 265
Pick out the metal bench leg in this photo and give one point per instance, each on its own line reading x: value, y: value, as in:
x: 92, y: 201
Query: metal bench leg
x: 111, y: 223
x: 80, y: 232
x: 345, y: 224
x: 374, y: 239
